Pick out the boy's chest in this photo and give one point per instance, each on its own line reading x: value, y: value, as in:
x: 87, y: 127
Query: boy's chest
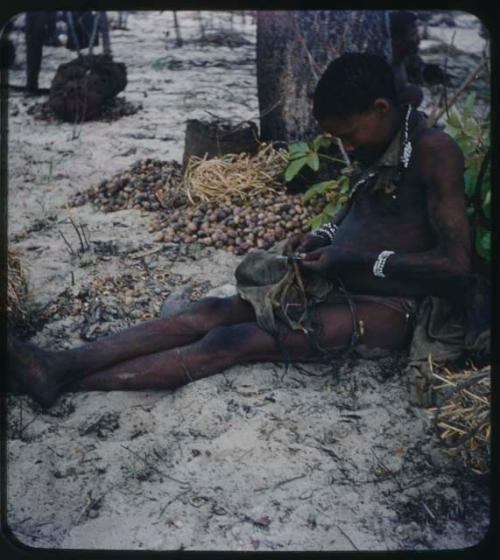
x: 386, y: 198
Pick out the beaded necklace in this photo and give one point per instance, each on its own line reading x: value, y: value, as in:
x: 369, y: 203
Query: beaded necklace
x: 406, y: 147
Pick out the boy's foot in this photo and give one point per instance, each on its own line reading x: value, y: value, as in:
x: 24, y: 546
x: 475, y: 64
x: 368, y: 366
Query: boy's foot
x: 28, y: 368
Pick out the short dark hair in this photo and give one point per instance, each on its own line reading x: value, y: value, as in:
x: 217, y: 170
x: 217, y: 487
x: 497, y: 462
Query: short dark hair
x: 350, y: 85
x: 399, y: 21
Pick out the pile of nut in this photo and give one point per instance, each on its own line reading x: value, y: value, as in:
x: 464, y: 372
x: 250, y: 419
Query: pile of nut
x: 148, y: 185
x: 237, y: 225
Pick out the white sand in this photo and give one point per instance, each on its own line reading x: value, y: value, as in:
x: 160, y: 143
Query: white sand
x: 255, y: 458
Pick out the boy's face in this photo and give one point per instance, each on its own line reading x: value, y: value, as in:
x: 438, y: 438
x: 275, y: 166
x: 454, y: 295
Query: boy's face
x: 363, y: 135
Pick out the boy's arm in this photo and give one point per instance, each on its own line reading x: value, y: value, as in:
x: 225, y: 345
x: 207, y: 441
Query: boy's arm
x: 442, y: 163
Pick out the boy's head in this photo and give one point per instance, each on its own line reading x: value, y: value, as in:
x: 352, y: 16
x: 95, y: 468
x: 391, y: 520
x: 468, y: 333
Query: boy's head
x: 355, y: 100
x: 404, y: 34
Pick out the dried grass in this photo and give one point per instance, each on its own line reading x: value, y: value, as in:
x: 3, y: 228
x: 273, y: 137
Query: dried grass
x: 240, y: 175
x: 17, y: 289
x: 463, y: 418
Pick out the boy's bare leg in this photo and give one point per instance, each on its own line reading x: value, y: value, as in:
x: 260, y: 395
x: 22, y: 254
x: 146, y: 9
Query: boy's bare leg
x: 43, y: 373
x: 225, y: 346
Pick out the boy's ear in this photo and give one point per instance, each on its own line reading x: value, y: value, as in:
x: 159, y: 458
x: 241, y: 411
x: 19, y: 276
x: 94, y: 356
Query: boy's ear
x: 381, y: 105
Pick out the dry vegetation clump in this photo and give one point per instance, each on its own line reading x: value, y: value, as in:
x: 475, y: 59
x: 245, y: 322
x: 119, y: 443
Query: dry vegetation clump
x: 463, y: 417
x: 17, y: 290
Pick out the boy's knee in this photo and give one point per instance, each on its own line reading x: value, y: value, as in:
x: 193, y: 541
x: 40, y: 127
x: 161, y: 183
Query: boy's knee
x: 235, y: 341
x: 210, y: 307
x: 214, y: 311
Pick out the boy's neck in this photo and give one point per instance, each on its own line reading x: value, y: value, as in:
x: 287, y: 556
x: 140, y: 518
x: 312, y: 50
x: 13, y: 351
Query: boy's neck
x: 395, y: 122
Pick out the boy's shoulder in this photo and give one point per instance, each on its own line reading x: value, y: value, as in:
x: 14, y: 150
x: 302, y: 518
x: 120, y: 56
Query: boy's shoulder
x: 433, y: 141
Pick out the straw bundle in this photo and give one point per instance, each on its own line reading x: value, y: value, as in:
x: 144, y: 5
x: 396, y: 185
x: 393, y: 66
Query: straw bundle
x: 234, y: 175
x: 463, y: 418
x: 17, y: 289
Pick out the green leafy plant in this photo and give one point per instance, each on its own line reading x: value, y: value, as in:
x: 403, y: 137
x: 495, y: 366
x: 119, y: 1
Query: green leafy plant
x: 302, y: 154
x: 473, y: 137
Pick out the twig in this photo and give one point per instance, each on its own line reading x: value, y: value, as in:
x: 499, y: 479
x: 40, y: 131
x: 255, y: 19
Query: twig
x: 172, y: 501
x: 82, y: 246
x: 445, y: 90
x: 346, y: 536
x: 428, y: 510
x: 312, y: 63
x: 22, y: 428
x: 71, y: 251
x: 83, y: 227
x: 465, y: 84
x: 388, y: 471
x: 345, y: 157
x: 91, y: 503
x: 305, y: 371
x: 278, y: 484
x: 146, y: 253
x: 178, y: 38
x: 245, y: 454
x: 347, y: 27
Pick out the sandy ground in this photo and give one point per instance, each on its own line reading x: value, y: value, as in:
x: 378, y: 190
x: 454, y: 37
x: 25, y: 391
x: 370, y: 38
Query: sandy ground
x: 325, y: 457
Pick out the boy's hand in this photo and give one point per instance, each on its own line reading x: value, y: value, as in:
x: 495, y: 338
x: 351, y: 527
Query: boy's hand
x: 323, y: 260
x: 303, y: 243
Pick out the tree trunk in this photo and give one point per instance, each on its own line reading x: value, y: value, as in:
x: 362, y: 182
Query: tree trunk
x: 293, y: 50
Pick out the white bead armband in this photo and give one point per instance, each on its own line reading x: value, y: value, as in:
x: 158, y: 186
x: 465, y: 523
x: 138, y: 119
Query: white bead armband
x: 327, y: 232
x: 378, y: 266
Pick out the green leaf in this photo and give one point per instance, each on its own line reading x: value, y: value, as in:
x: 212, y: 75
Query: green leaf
x: 319, y: 220
x: 469, y: 102
x: 467, y: 145
x: 298, y: 148
x: 472, y: 128
x: 454, y: 119
x: 486, y: 186
x: 294, y: 167
x: 317, y: 188
x: 321, y: 141
x: 331, y: 209
x: 344, y: 184
x: 483, y: 243
x: 487, y: 204
x: 313, y: 161
x: 470, y: 180
x: 298, y: 155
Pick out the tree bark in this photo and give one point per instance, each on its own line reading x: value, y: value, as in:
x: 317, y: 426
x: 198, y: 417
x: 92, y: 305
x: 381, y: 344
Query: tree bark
x: 293, y: 50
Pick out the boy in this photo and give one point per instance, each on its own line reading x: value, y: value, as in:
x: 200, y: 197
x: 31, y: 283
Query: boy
x: 403, y: 234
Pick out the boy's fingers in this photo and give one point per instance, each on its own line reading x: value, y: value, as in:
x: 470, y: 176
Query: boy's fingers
x: 291, y: 244
x: 313, y: 255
